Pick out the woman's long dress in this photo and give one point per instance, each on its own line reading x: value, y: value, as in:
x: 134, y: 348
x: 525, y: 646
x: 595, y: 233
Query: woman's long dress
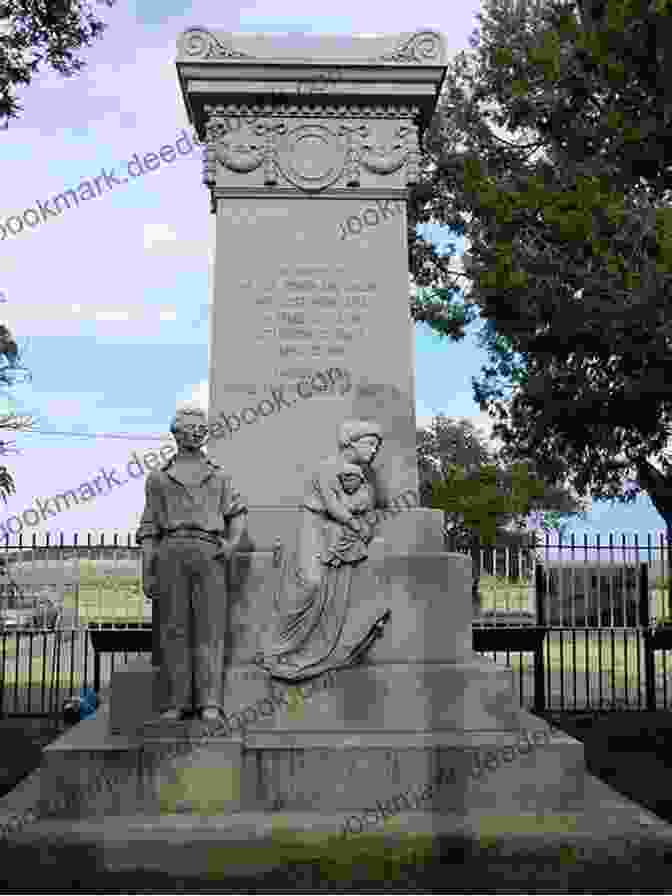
x: 328, y: 625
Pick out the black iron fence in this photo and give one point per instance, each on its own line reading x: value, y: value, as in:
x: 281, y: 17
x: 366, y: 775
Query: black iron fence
x: 618, y: 662
x: 570, y: 642
x: 40, y: 669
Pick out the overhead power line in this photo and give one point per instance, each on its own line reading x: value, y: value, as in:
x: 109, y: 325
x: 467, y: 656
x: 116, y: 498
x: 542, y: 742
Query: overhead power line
x: 87, y: 435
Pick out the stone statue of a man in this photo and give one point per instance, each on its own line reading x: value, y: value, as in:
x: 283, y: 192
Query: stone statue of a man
x: 192, y: 523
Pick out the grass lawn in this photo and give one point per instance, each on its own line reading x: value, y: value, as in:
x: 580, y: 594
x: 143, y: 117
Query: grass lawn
x: 618, y: 655
x: 585, y: 657
x: 109, y: 604
x: 501, y: 595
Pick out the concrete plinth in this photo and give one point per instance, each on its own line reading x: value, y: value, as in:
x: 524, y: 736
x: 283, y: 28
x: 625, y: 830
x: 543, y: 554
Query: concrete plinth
x: 420, y: 702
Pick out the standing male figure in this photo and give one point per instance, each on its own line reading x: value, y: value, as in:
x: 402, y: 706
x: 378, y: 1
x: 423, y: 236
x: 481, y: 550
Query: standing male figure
x: 192, y: 523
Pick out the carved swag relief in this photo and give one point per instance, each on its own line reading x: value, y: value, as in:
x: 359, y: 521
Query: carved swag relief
x: 311, y: 156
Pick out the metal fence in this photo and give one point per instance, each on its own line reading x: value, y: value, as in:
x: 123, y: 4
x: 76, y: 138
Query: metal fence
x: 42, y: 665
x: 620, y: 662
x: 591, y: 584
x: 584, y: 627
x: 39, y: 670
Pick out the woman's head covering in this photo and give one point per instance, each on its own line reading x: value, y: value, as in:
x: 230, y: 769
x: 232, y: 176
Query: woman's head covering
x: 352, y: 430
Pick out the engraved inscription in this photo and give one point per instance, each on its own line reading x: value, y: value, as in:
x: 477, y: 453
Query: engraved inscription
x: 309, y: 314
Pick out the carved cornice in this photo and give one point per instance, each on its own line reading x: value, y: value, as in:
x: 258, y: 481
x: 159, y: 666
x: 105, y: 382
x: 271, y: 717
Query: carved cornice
x: 286, y: 110
x: 421, y: 47
x: 199, y: 43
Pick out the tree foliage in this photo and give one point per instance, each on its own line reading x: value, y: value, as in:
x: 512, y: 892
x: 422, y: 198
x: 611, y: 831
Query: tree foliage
x: 479, y: 492
x: 551, y: 153
x: 481, y: 496
x: 33, y: 32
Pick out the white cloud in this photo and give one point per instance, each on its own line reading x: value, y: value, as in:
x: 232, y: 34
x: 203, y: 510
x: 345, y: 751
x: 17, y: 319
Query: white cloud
x: 197, y: 395
x: 156, y: 234
x: 112, y: 315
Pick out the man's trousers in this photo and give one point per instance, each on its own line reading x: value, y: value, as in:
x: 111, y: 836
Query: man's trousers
x: 193, y: 617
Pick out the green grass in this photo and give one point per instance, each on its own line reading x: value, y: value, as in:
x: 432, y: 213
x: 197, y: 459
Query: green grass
x: 620, y: 664
x: 501, y: 595
x: 108, y: 603
x: 367, y: 863
x: 35, y: 676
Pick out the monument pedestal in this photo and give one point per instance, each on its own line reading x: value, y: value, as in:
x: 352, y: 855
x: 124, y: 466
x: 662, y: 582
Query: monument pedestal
x: 419, y: 703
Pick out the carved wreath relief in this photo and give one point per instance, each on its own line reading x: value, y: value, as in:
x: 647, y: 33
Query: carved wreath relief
x: 310, y: 155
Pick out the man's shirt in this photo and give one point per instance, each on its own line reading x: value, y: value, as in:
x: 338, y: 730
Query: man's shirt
x: 205, y: 501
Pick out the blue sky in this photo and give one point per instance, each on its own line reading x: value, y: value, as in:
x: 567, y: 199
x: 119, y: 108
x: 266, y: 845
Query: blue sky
x: 110, y: 300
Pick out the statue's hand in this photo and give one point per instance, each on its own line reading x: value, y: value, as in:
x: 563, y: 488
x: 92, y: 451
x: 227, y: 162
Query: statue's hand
x: 366, y: 530
x: 362, y: 528
x: 355, y: 525
x: 150, y: 586
x: 150, y: 581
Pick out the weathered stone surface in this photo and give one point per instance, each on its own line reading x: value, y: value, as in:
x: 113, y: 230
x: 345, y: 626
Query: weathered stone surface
x: 318, y: 175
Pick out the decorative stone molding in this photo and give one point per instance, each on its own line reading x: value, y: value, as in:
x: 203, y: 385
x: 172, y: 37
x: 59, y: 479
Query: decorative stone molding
x: 285, y: 110
x: 364, y: 77
x: 199, y: 43
x: 312, y: 156
x: 351, y: 168
x: 421, y: 47
x: 384, y: 159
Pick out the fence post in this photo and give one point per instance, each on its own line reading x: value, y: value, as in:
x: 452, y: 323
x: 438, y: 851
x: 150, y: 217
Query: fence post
x: 644, y: 613
x: 96, y: 672
x: 539, y: 681
x: 649, y: 652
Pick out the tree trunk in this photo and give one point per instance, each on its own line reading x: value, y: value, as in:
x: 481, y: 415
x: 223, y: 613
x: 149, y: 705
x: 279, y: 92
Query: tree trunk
x: 659, y: 489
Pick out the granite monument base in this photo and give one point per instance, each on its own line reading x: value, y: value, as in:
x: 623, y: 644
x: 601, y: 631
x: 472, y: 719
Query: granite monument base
x: 420, y: 702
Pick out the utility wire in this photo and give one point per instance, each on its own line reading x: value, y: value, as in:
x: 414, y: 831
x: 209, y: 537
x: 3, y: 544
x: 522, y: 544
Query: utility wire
x: 86, y: 435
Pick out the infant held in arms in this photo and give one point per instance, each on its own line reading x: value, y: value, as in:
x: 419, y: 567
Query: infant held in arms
x: 351, y: 546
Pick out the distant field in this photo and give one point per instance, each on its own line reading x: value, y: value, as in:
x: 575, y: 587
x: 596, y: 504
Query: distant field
x: 502, y: 596
x: 110, y: 604
x: 581, y: 662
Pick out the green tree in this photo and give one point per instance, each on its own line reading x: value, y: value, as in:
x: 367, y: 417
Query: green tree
x: 481, y: 497
x: 551, y: 154
x: 33, y: 32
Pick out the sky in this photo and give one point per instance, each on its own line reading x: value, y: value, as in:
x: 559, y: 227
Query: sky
x: 110, y: 300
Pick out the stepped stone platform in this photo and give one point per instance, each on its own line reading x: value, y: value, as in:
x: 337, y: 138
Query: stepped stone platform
x: 218, y: 847
x: 420, y: 703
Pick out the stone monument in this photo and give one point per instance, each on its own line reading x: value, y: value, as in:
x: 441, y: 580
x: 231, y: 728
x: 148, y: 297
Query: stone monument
x: 310, y: 144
